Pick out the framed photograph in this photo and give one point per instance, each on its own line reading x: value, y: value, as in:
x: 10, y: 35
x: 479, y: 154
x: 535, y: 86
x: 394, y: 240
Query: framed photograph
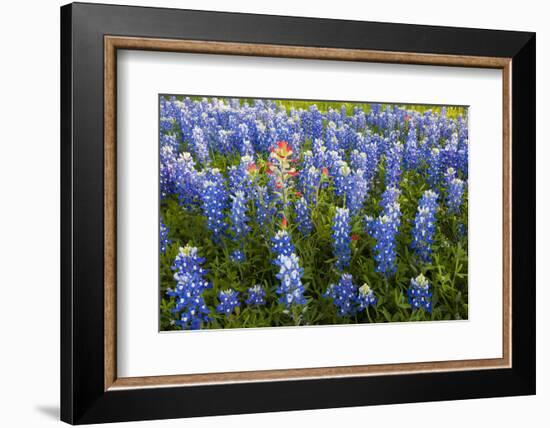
x: 265, y: 213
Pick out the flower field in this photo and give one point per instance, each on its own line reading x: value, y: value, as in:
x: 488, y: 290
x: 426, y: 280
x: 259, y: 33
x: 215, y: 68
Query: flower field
x: 290, y: 212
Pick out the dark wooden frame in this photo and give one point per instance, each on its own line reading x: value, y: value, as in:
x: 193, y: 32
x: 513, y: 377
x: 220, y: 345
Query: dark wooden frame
x: 90, y: 35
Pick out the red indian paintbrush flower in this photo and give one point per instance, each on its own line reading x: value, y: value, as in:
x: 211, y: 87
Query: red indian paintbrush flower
x: 283, y: 149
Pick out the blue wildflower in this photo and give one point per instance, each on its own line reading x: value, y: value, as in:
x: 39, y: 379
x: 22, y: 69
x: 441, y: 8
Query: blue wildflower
x: 394, y: 156
x: 188, y: 180
x: 365, y: 297
x: 238, y: 217
x: 237, y: 256
x: 384, y: 230
x: 343, y: 295
x: 341, y: 231
x: 389, y: 197
x: 290, y: 289
x: 411, y: 158
x: 214, y: 202
x: 357, y: 192
x: 455, y: 191
x: 310, y: 181
x: 265, y: 207
x: 228, y: 302
x: 188, y: 294
x: 435, y: 165
x: 342, y: 178
x: 199, y: 146
x: 303, y: 216
x: 420, y: 296
x: 281, y: 244
x: 424, y: 226
x: 256, y: 296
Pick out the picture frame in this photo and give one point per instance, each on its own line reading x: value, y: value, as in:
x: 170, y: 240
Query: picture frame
x: 91, y: 36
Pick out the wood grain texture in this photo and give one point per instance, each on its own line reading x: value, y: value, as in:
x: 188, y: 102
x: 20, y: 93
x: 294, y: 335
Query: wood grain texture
x: 110, y: 220
x: 264, y: 50
x: 112, y: 43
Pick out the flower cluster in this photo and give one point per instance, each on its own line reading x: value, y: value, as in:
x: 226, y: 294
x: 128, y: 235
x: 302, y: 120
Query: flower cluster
x: 366, y: 297
x: 190, y: 285
x: 424, y: 226
x: 341, y: 231
x: 434, y: 167
x: 290, y: 289
x: 228, y: 302
x: 394, y: 157
x: 281, y: 244
x: 256, y: 296
x: 384, y: 230
x: 347, y: 298
x: 343, y: 295
x: 455, y: 191
x: 238, y: 216
x: 358, y: 190
x: 420, y: 296
x: 214, y: 202
x: 303, y: 216
x: 237, y: 256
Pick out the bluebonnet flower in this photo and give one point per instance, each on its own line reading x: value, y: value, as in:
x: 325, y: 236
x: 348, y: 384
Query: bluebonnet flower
x: 450, y: 154
x: 229, y: 301
x: 240, y: 176
x: 384, y: 230
x: 389, y: 197
x: 411, y: 158
x: 341, y: 231
x: 168, y: 171
x: 331, y: 137
x: 333, y: 161
x: 357, y: 192
x: 455, y: 191
x: 187, y: 180
x: 358, y: 160
x: 342, y: 178
x: 290, y: 289
x: 420, y: 296
x: 365, y: 297
x: 281, y: 244
x: 373, y: 157
x: 424, y: 226
x: 189, y: 274
x: 237, y: 256
x: 312, y: 122
x: 394, y: 157
x: 214, y: 202
x: 319, y: 153
x: 224, y: 143
x: 164, y: 240
x: 434, y: 167
x: 199, y: 146
x: 303, y: 216
x: 343, y: 295
x: 265, y: 207
x: 243, y: 140
x: 311, y: 179
x: 256, y: 296
x: 238, y: 216
x: 462, y: 162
